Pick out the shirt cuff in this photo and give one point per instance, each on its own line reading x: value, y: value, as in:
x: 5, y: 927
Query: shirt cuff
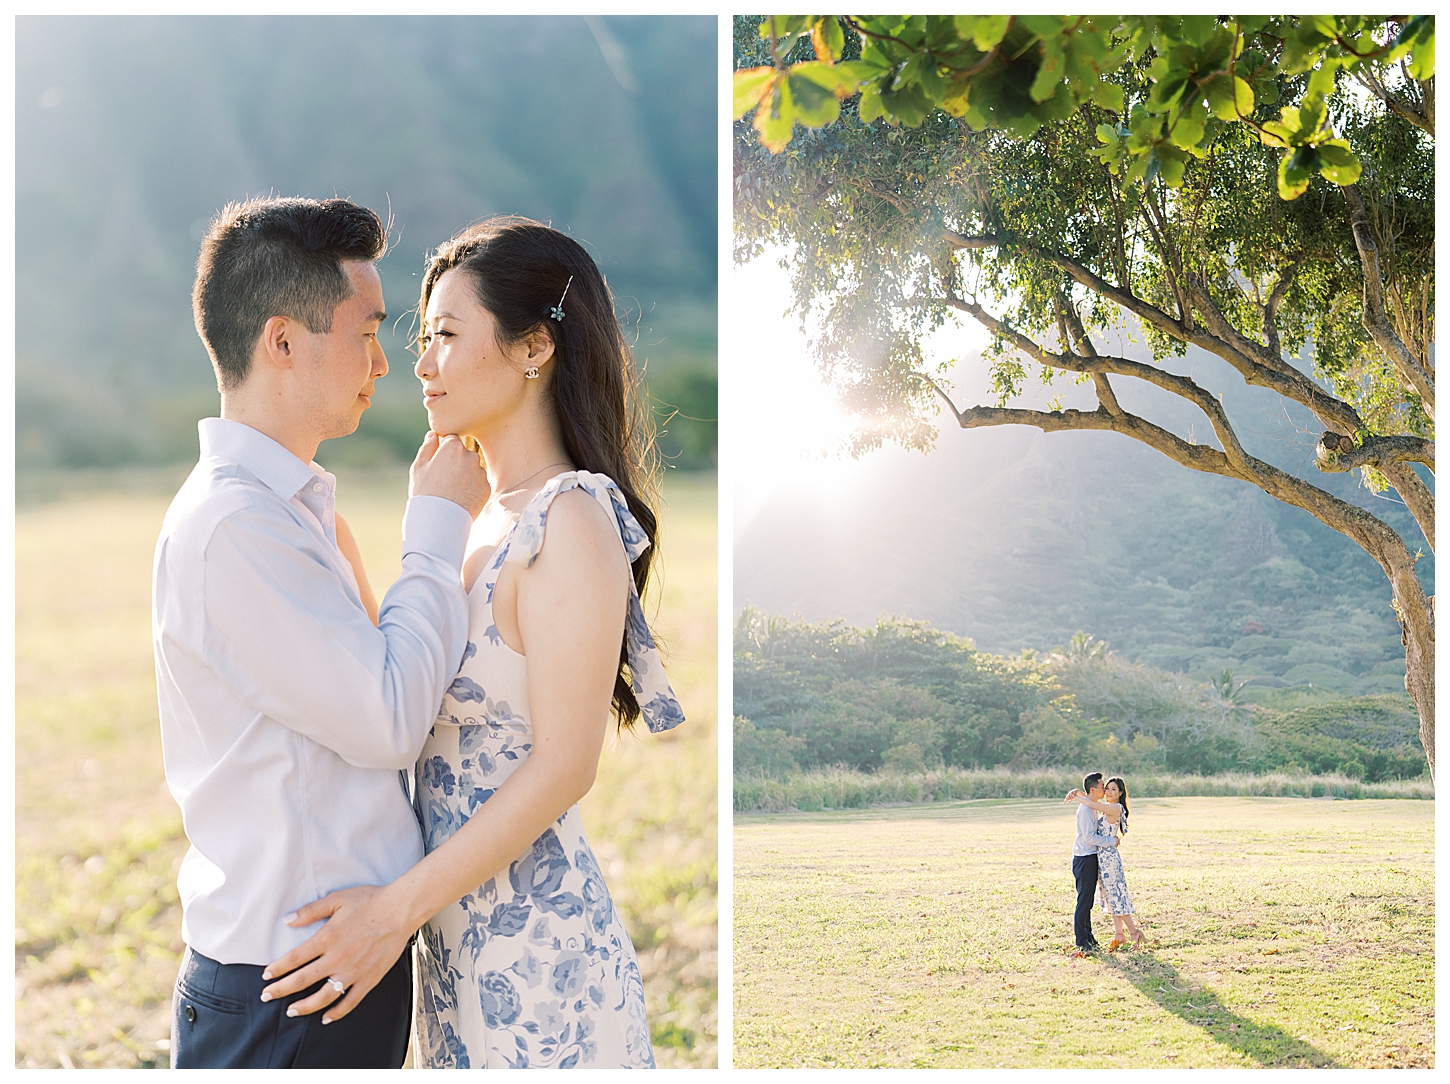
x: 437, y: 527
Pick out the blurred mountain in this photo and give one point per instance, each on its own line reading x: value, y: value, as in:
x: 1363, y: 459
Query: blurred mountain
x: 132, y: 132
x: 1019, y: 539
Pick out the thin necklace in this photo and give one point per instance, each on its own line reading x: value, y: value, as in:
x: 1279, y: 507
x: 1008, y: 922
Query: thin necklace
x: 520, y: 485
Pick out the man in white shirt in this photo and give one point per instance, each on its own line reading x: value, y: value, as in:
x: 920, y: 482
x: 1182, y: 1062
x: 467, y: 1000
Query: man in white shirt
x: 1091, y: 834
x: 287, y: 716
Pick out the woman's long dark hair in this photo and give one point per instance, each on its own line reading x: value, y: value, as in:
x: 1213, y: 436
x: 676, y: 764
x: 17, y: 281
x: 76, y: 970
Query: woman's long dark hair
x: 1122, y: 801
x: 520, y: 269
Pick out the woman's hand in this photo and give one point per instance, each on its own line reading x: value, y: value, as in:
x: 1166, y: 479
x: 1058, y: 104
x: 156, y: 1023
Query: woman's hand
x: 366, y: 932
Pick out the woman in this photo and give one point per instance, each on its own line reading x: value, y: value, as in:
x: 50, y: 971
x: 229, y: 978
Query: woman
x: 522, y: 958
x: 1112, y: 884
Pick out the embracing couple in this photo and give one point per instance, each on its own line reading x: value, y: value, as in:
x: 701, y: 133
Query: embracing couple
x: 1102, y: 821
x: 351, y: 774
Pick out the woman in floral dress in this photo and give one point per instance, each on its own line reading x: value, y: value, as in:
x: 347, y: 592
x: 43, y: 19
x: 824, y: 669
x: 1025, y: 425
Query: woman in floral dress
x: 522, y: 960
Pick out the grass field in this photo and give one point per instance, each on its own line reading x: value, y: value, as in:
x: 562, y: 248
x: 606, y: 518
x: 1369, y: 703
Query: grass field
x: 98, y: 837
x: 1283, y: 932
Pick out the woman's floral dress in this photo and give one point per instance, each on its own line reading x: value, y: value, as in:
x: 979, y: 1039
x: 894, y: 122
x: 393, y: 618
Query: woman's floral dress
x: 534, y: 969
x: 1112, y: 884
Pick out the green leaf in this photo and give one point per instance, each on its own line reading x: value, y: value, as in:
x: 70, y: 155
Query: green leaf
x: 1312, y: 111
x: 984, y: 31
x: 783, y: 26
x: 907, y: 105
x: 871, y: 107
x: 1197, y: 29
x: 862, y: 70
x: 775, y: 119
x: 839, y: 79
x: 1172, y: 162
x: 1049, y: 71
x: 1042, y: 26
x: 1296, y: 170
x: 1187, y: 131
x: 1419, y: 35
x: 815, y: 106
x: 1230, y: 99
x: 1106, y: 95
x: 1321, y: 82
x: 828, y: 38
x: 1337, y: 163
x: 1165, y: 93
x: 750, y: 85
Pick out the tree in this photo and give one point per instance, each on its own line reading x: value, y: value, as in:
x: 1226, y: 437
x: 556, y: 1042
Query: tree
x: 1150, y: 178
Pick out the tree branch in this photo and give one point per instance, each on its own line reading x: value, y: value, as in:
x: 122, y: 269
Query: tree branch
x: 1082, y: 342
x: 1181, y: 386
x: 890, y: 197
x: 1416, y: 495
x: 1338, y: 453
x: 1375, y: 320
x: 1372, y: 534
x: 1271, y: 308
x: 1220, y: 339
x: 1421, y: 114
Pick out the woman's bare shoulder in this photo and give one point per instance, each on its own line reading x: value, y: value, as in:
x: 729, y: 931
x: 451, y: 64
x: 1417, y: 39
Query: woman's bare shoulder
x: 579, y: 529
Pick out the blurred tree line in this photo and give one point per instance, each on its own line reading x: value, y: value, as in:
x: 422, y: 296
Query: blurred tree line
x: 132, y: 132
x: 903, y: 696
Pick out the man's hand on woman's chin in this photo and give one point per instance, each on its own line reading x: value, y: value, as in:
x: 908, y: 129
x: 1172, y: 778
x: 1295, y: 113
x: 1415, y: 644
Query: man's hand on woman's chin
x: 444, y: 467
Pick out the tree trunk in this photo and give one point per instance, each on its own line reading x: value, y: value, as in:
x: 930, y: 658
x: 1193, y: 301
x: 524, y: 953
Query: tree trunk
x: 1416, y: 613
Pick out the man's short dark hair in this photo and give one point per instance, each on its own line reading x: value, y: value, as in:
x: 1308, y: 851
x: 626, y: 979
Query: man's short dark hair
x: 1090, y: 781
x: 276, y: 257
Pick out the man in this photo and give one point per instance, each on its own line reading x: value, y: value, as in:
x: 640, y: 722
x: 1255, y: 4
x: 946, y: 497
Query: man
x: 286, y: 715
x: 1091, y: 834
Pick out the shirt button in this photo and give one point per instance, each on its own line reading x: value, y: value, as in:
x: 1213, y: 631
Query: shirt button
x: 317, y: 487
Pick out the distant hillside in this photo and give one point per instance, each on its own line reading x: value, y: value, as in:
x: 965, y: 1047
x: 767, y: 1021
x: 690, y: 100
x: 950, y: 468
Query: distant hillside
x: 132, y: 131
x: 1019, y: 539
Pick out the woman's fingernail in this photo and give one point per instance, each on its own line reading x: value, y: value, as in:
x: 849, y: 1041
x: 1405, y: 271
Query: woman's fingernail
x: 326, y: 1020
x: 266, y: 996
x: 289, y: 919
x: 266, y: 976
x: 292, y: 1011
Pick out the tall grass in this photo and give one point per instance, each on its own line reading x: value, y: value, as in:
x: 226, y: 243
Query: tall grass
x: 842, y: 788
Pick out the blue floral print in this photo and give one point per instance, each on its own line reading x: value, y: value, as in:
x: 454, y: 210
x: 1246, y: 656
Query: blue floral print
x: 532, y: 969
x: 1112, y: 884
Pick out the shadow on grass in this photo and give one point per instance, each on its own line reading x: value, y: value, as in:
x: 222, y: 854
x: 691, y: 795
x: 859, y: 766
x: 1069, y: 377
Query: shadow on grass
x: 1267, y: 1044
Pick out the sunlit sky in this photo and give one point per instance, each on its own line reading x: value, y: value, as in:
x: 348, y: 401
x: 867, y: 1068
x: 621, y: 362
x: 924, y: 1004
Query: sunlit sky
x: 788, y: 427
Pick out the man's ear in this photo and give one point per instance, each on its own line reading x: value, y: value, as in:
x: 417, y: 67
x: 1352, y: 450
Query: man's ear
x: 276, y: 342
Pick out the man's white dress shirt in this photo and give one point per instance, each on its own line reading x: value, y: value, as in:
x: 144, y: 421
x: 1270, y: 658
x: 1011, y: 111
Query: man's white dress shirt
x: 286, y: 716
x: 1092, y: 832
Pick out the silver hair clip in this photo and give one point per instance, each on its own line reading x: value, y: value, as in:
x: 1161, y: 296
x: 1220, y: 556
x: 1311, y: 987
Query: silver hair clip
x: 557, y: 312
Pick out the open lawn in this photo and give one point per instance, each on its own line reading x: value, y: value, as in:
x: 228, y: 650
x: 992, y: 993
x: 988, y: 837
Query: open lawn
x: 1283, y: 932
x: 98, y: 836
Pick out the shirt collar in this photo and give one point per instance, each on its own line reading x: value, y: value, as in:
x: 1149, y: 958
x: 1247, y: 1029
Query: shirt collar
x: 277, y: 468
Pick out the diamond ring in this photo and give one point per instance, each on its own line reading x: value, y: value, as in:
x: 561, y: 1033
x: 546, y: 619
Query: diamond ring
x: 337, y: 984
